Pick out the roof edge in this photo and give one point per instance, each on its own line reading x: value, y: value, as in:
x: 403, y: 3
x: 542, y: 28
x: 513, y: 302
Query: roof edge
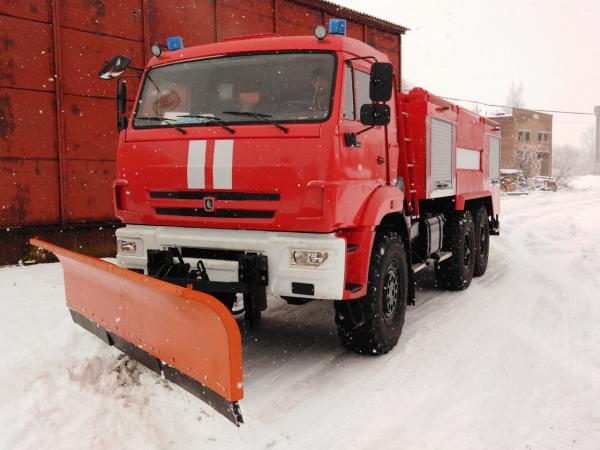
x: 351, y: 14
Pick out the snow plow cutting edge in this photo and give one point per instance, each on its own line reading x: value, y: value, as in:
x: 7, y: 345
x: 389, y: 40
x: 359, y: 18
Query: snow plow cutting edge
x: 188, y: 336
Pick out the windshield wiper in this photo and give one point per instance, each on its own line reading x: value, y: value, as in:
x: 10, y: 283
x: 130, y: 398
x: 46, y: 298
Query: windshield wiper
x: 165, y: 120
x: 211, y: 119
x: 259, y: 116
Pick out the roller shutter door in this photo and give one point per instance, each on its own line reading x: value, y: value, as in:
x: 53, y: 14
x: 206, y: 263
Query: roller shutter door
x: 442, y: 137
x: 494, y: 160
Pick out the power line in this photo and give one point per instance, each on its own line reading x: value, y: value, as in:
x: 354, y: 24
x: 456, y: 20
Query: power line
x: 528, y: 109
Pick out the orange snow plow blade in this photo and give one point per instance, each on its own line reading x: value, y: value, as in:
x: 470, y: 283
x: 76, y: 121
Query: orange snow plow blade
x: 188, y: 336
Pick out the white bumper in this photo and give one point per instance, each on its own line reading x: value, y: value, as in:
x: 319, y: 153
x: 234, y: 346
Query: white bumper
x: 327, y: 279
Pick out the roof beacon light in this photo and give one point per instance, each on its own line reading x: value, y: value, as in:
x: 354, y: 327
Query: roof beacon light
x: 320, y: 32
x: 337, y: 26
x: 174, y: 43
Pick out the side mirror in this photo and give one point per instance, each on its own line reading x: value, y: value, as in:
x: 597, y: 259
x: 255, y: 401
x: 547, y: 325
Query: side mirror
x: 381, y: 86
x: 114, y: 67
x: 375, y: 114
x: 121, y: 105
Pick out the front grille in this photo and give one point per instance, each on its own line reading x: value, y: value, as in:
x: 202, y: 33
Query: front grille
x: 219, y: 213
x: 199, y: 195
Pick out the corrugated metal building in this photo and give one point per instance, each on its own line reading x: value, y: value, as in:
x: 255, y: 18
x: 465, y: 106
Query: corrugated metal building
x: 57, y: 119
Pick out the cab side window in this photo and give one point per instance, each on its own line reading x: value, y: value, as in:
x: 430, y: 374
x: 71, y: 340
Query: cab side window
x: 362, y: 82
x: 356, y: 92
x: 349, y: 110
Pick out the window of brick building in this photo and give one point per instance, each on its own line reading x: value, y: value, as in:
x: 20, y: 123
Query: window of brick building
x: 544, y: 136
x: 524, y: 136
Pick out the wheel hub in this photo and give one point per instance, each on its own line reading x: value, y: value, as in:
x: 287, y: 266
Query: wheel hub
x: 391, y: 291
x: 467, y: 250
x: 483, y: 240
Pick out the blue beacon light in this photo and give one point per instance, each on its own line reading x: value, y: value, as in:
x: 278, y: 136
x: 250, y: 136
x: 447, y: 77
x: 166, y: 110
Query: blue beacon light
x: 337, y: 26
x: 174, y: 43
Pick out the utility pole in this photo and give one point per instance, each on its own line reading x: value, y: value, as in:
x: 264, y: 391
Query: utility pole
x: 597, y: 160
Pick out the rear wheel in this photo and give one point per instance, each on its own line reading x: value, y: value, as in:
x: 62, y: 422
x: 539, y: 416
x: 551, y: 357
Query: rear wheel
x: 456, y: 272
x: 373, y: 324
x: 482, y: 240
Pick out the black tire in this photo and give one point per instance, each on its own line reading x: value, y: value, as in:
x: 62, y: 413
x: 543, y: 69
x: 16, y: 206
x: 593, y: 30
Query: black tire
x: 456, y: 272
x: 373, y: 324
x: 482, y: 241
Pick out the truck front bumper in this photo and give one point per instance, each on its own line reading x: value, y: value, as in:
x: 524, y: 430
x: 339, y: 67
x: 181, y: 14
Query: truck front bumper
x: 285, y: 277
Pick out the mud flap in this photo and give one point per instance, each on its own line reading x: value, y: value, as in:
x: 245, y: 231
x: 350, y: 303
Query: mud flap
x: 188, y: 336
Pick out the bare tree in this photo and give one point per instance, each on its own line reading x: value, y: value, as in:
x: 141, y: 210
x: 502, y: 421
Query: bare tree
x: 566, y: 162
x: 588, y: 144
x: 523, y: 160
x: 569, y: 160
x: 514, y: 98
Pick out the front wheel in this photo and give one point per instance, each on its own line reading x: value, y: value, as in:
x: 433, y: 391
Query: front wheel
x: 373, y: 324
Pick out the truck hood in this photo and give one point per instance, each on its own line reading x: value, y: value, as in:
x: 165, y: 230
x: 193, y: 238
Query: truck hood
x: 209, y: 178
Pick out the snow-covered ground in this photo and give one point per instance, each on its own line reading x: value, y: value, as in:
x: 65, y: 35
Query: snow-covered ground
x: 514, y: 362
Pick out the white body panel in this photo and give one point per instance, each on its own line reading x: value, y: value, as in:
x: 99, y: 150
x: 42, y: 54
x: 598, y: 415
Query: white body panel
x: 468, y: 159
x: 222, y: 165
x: 195, y: 165
x: 328, y: 279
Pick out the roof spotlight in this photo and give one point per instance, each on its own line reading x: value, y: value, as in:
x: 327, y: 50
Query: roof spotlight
x: 156, y: 49
x: 320, y: 32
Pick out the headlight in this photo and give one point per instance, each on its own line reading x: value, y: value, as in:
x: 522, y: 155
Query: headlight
x: 127, y: 246
x: 313, y: 258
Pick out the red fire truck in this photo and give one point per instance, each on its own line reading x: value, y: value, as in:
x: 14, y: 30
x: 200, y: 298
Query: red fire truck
x: 287, y: 166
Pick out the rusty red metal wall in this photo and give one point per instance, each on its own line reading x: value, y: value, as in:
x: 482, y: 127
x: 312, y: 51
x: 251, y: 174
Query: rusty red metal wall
x: 57, y: 119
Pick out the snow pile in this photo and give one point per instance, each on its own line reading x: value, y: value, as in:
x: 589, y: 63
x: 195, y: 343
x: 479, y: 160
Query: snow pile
x: 514, y: 362
x: 587, y: 182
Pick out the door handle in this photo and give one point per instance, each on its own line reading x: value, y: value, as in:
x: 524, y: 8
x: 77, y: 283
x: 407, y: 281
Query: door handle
x: 380, y: 160
x: 351, y: 141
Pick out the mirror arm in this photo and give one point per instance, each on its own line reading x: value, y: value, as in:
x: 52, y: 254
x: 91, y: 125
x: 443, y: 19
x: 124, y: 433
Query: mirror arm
x: 364, y: 129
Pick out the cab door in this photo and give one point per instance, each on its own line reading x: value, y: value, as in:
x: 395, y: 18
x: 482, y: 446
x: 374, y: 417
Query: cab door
x: 363, y: 162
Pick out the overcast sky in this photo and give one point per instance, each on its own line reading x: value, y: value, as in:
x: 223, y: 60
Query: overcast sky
x: 474, y: 49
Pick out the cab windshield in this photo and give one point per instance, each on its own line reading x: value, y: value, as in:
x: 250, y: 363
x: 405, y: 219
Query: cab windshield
x: 280, y: 87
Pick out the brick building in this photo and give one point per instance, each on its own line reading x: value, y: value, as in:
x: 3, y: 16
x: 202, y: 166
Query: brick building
x: 526, y: 142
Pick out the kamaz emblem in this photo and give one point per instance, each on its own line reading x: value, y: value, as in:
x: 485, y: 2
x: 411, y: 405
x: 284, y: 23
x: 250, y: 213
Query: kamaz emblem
x: 209, y: 204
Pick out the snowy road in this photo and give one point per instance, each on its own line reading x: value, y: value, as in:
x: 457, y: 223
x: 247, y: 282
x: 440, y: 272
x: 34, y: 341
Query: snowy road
x: 514, y: 362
